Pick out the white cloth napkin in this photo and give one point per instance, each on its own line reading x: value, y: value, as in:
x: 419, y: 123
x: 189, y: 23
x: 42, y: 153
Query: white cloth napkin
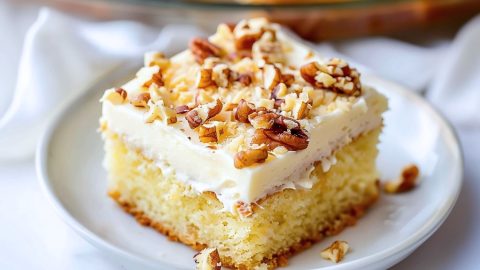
x: 62, y: 56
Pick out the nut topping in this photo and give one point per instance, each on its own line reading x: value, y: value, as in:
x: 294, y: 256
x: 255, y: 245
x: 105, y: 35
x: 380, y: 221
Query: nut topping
x: 406, y: 182
x: 309, y: 72
x: 202, y: 49
x: 336, y: 76
x: 194, y: 119
x: 182, y: 109
x: 245, y: 78
x: 244, y: 209
x: 115, y: 96
x: 336, y: 251
x: 202, y: 113
x: 262, y: 119
x: 208, y: 259
x: 141, y: 100
x: 243, y: 110
x: 288, y: 79
x: 207, y: 134
x: 271, y: 76
x: 156, y: 79
x: 204, y: 78
x: 292, y: 141
x: 121, y: 92
x: 249, y: 157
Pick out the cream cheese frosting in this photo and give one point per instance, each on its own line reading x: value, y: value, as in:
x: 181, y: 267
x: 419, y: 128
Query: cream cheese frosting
x: 333, y: 119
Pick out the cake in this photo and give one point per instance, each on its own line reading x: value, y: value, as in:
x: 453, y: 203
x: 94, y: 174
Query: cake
x: 248, y: 142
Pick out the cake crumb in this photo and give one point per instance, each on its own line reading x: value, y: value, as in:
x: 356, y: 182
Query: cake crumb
x: 336, y: 251
x: 262, y: 266
x: 208, y: 259
x: 405, y: 182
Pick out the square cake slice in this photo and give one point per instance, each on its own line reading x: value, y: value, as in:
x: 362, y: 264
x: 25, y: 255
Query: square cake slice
x: 247, y: 142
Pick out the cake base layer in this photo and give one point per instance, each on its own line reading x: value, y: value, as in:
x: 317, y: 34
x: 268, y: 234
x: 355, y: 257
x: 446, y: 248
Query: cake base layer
x: 281, y: 224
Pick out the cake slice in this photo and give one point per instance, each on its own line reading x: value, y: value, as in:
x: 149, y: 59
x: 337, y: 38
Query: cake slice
x: 248, y: 142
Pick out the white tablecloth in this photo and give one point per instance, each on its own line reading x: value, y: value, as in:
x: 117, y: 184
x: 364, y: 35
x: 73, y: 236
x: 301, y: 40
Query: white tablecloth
x: 32, y: 236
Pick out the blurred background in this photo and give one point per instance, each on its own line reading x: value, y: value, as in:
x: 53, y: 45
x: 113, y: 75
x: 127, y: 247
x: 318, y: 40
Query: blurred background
x: 430, y: 46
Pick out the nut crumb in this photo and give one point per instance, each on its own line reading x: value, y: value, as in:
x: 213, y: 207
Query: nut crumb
x: 405, y: 182
x: 208, y: 259
x: 141, y: 100
x: 336, y: 251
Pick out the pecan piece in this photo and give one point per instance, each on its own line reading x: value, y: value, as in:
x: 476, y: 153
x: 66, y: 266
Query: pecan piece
x: 293, y: 141
x: 309, y: 72
x: 141, y: 100
x: 208, y: 259
x: 207, y: 134
x: 288, y: 79
x: 202, y: 113
x: 335, y: 252
x: 249, y: 157
x: 262, y: 119
x: 245, y: 78
x: 121, y: 92
x: 271, y: 76
x: 202, y: 49
x: 204, y: 78
x: 244, y: 209
x: 243, y: 110
x: 157, y: 79
x: 182, y: 109
x: 406, y: 182
x: 260, y: 138
x: 194, y: 119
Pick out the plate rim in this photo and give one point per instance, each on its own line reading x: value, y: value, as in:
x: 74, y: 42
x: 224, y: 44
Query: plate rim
x: 420, y: 236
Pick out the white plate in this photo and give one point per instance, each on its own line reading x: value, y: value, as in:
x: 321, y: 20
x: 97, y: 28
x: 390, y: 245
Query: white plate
x: 69, y: 163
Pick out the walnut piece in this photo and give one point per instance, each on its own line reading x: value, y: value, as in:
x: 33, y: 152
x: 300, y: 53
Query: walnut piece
x: 249, y: 157
x: 202, y: 49
x: 141, y: 100
x: 406, y: 182
x: 208, y: 259
x: 336, y: 251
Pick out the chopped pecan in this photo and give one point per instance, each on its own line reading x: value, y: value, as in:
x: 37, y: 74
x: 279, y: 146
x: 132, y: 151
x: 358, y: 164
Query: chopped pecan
x: 243, y: 110
x: 246, y: 41
x: 293, y: 140
x: 157, y: 79
x: 230, y: 106
x: 194, y: 119
x: 204, y: 78
x: 244, y: 209
x: 239, y: 55
x: 249, y: 157
x: 335, y: 252
x: 115, y: 96
x: 121, y: 92
x: 309, y: 72
x: 141, y: 100
x: 202, y: 113
x: 262, y: 119
x: 208, y: 259
x: 288, y: 79
x: 271, y: 76
x: 406, y: 182
x: 336, y: 75
x: 182, y: 109
x: 260, y: 138
x: 207, y: 134
x: 245, y: 78
x: 202, y: 49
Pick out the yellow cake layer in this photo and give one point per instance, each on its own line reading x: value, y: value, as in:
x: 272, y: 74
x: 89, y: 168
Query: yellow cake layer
x: 281, y: 224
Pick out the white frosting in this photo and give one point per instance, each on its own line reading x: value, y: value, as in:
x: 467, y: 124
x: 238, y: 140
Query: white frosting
x: 213, y: 170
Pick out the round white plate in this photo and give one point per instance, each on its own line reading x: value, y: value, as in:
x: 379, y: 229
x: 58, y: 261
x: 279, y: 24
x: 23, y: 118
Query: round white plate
x: 69, y: 164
